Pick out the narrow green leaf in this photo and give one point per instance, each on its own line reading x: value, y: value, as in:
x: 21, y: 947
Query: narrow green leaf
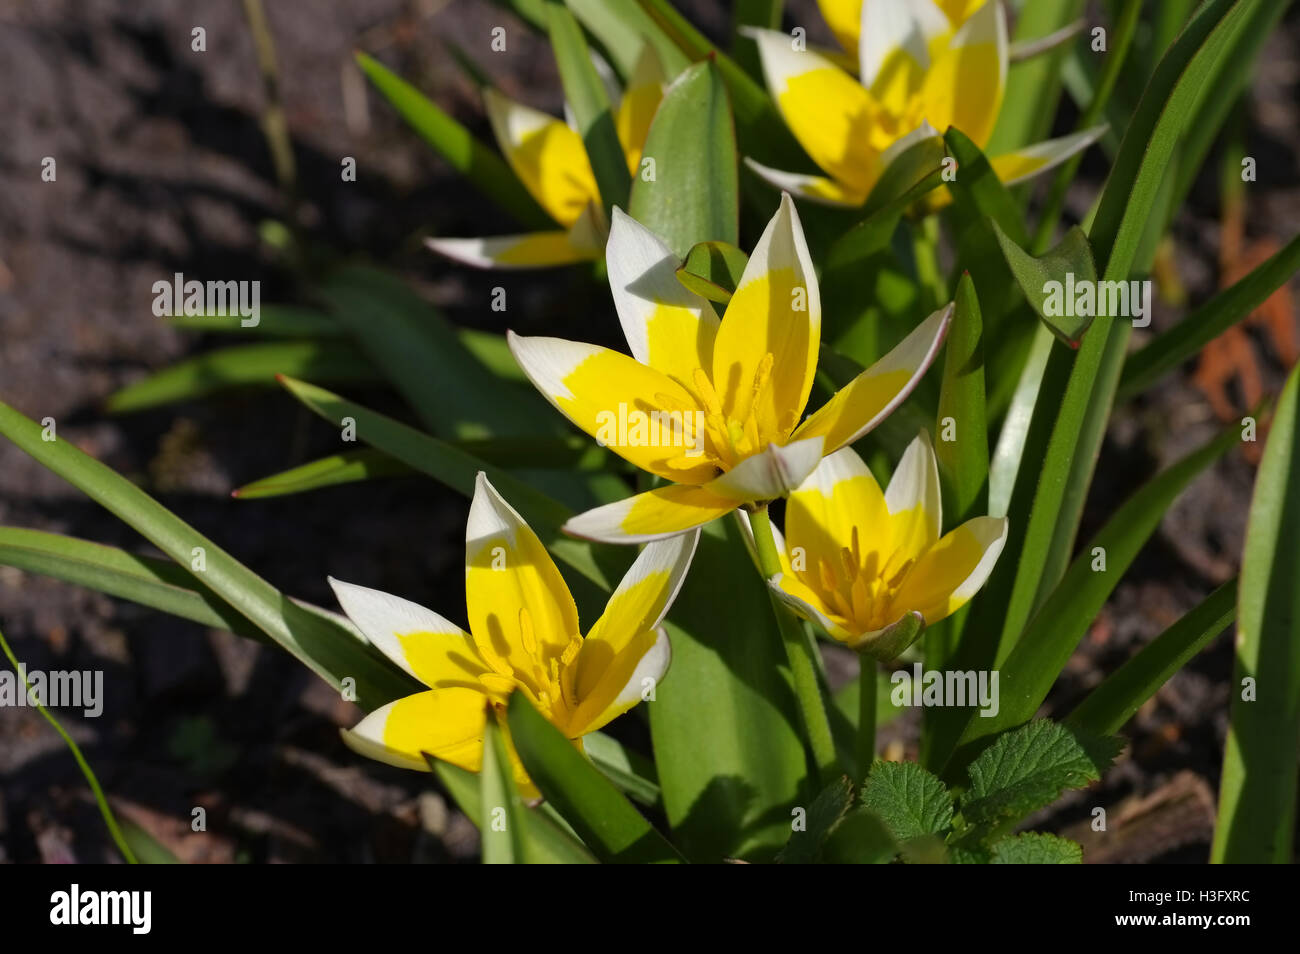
x: 825, y: 812
x: 622, y: 28
x: 1110, y: 705
x: 493, y: 351
x: 908, y: 799
x: 274, y: 321
x: 457, y: 469
x: 585, y: 93
x: 1049, y: 282
x: 1007, y: 455
x: 1183, y: 341
x: 713, y: 270
x: 964, y: 460
x: 325, y: 646
x: 764, y: 14
x: 632, y: 772
x: 548, y: 843
x: 505, y: 819
x: 1041, y: 653
x: 148, y: 850
x: 606, y: 821
x: 1257, y: 796
x: 159, y: 584
x: 419, y: 352
x: 1027, y: 769
x: 1037, y: 848
x: 693, y: 196
x: 471, y: 158
x: 244, y: 366
x: 345, y: 468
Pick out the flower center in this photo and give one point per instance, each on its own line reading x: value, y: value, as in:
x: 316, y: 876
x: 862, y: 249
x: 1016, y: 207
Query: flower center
x: 860, y: 589
x: 545, y: 676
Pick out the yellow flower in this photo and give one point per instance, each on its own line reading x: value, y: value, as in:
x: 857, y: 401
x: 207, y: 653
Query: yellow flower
x: 859, y: 562
x: 551, y: 162
x: 523, y: 635
x: 923, y: 65
x: 714, y: 406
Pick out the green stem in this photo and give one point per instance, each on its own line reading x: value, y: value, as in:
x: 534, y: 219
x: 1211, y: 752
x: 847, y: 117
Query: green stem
x: 925, y: 251
x: 1055, y: 204
x: 98, y: 792
x: 799, y: 651
x: 866, y: 715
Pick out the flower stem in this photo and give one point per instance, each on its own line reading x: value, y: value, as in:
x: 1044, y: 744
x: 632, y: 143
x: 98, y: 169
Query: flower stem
x: 866, y: 715
x: 925, y: 248
x: 799, y: 651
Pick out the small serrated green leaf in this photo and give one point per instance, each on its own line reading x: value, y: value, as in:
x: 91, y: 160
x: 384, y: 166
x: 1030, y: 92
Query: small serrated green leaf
x: 1028, y: 768
x: 1037, y: 848
x: 908, y: 799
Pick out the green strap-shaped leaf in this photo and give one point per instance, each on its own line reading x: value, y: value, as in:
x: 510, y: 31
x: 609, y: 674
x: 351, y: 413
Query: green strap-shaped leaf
x: 345, y: 468
x: 1183, y: 341
x: 1108, y: 707
x: 964, y: 460
x: 632, y: 772
x: 458, y: 470
x: 1055, y: 630
x: 1257, y: 795
x: 548, y: 843
x: 621, y: 28
x: 274, y: 321
x: 693, y: 195
x: 713, y: 270
x: 585, y: 93
x: 454, y: 395
x: 244, y: 366
x: 504, y: 825
x: 326, y: 647
x: 606, y: 821
x: 471, y: 158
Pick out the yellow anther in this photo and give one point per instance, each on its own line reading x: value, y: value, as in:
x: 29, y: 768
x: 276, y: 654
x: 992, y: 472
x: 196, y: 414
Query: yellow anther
x: 526, y: 632
x: 704, y: 389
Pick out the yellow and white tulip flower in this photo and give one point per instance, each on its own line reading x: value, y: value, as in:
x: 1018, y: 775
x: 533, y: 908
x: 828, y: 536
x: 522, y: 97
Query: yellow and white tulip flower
x: 523, y: 636
x: 713, y: 406
x: 923, y: 65
x: 551, y: 162
x: 859, y: 562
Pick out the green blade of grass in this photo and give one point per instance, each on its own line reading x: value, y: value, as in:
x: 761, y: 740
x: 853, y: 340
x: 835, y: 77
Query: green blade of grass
x: 1257, y: 795
x: 244, y: 366
x: 476, y: 162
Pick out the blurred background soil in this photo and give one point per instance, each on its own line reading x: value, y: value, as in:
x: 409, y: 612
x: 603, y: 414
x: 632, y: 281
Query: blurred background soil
x: 162, y: 167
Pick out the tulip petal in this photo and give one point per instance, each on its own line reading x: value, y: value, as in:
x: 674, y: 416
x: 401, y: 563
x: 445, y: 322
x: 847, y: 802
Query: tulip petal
x: 800, y: 598
x: 1013, y: 167
x: 914, y: 489
x: 668, y: 327
x: 821, y: 515
x: 894, y: 47
x: 870, y: 397
x: 639, y: 413
x: 520, y: 610
x: 827, y: 110
x: 952, y: 571
x: 817, y: 189
x: 548, y: 157
x: 964, y: 85
x: 436, y: 652
x: 776, y: 311
x: 447, y: 723
x: 654, y: 515
x: 531, y: 250
x: 844, y: 17
x: 637, y: 107
x: 770, y: 474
